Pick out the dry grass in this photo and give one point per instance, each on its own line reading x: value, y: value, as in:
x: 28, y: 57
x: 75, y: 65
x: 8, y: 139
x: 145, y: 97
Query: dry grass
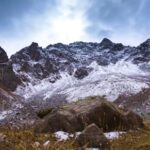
x: 25, y: 139
x: 137, y: 140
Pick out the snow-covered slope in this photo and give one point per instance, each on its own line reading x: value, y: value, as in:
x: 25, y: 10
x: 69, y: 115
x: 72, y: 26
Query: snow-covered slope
x: 81, y: 69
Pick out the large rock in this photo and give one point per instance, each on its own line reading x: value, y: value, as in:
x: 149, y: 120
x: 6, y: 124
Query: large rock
x: 78, y: 115
x: 93, y: 137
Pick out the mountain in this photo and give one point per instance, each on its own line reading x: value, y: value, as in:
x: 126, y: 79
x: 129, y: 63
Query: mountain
x: 82, y: 69
x: 60, y: 73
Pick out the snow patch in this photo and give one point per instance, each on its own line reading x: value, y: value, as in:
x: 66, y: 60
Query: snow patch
x: 61, y: 136
x: 92, y: 149
x: 113, y: 135
x: 121, y: 67
x: 4, y: 114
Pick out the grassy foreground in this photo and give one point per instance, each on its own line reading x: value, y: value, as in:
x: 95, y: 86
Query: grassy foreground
x: 28, y: 140
x: 138, y: 140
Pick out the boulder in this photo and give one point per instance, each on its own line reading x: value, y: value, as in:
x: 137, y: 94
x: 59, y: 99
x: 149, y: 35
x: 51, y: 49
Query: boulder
x: 93, y: 137
x: 77, y: 116
x: 131, y: 116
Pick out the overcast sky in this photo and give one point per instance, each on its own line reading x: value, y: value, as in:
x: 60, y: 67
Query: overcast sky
x: 65, y: 21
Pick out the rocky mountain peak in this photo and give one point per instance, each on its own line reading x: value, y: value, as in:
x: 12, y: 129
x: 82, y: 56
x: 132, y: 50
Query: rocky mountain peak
x: 33, y: 51
x: 33, y: 45
x: 106, y: 43
x: 3, y: 56
x: 145, y: 44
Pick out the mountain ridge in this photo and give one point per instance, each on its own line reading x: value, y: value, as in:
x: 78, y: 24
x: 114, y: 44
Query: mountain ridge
x: 76, y: 59
x: 63, y: 73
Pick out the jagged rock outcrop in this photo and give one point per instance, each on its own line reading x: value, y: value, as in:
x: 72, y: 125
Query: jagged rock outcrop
x: 8, y: 79
x: 76, y: 116
x: 3, y: 56
x: 92, y: 136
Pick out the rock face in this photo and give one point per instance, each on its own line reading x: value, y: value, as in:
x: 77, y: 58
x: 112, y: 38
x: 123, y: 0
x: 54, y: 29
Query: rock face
x: 92, y: 136
x: 8, y: 79
x: 3, y: 56
x: 76, y: 116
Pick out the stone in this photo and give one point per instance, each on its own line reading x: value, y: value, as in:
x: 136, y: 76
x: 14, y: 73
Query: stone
x: 46, y: 144
x: 36, y: 145
x: 2, y: 137
x: 93, y: 137
x: 75, y: 117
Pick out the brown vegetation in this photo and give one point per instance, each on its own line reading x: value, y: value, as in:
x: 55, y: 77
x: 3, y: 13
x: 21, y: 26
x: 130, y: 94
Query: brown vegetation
x: 28, y: 140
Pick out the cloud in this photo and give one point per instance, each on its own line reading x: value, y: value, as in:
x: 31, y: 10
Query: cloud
x: 65, y: 21
x: 121, y: 20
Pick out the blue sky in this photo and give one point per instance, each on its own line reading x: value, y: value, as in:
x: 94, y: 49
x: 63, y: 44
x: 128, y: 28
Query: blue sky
x: 52, y: 21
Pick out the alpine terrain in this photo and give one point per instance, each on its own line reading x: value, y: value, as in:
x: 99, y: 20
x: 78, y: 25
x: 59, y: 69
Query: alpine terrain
x: 81, y: 88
